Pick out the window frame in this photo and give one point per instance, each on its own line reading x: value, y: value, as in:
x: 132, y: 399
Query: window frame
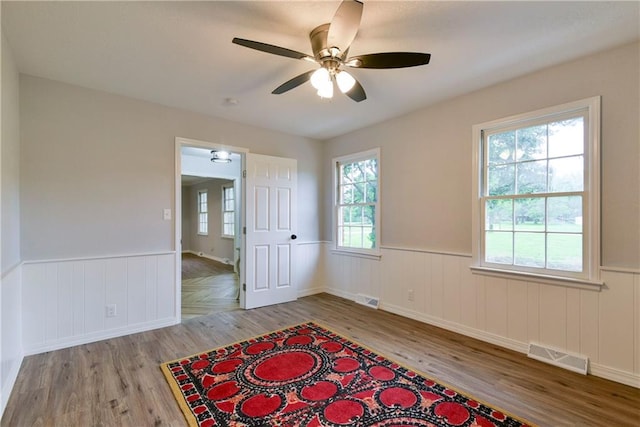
x: 374, y: 253
x: 589, y: 277
x: 201, y: 212
x: 225, y: 187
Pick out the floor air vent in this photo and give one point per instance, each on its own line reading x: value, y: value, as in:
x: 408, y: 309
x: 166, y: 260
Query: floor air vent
x: 572, y: 362
x: 372, y: 302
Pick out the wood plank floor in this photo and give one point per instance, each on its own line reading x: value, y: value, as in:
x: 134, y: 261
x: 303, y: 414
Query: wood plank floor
x: 208, y: 287
x: 194, y: 266
x: 117, y: 382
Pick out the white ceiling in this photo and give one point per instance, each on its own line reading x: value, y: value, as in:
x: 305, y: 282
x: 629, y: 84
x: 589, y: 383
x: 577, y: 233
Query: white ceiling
x: 180, y: 53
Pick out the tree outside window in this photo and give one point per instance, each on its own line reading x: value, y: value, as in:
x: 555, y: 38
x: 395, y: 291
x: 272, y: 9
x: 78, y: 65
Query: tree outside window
x: 357, y: 202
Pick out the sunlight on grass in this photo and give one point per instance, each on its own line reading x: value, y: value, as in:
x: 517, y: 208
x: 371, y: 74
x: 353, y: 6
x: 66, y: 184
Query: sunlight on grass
x: 527, y: 247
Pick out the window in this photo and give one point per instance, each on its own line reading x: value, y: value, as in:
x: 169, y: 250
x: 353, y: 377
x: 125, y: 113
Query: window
x: 537, y: 177
x: 357, y: 210
x: 228, y: 211
x: 203, y: 213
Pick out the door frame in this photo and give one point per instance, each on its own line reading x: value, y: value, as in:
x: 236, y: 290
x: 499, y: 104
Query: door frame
x: 177, y: 209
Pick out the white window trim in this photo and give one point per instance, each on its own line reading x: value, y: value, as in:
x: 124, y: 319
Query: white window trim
x: 357, y: 252
x: 202, y: 233
x: 591, y: 236
x: 222, y: 233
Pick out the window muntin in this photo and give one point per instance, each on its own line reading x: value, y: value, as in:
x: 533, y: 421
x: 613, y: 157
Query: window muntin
x: 203, y: 213
x: 539, y: 192
x: 357, y: 202
x: 228, y: 211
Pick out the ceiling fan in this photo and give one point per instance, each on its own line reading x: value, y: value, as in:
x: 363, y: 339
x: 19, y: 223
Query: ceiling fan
x: 330, y: 44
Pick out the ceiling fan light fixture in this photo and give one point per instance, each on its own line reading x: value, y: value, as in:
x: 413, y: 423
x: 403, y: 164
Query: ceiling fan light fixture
x: 326, y: 91
x: 345, y: 81
x: 220, y: 156
x: 320, y: 78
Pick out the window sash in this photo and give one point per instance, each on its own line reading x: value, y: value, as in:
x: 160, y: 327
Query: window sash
x: 588, y: 231
x: 203, y: 213
x: 539, y: 237
x: 357, y: 236
x: 531, y: 245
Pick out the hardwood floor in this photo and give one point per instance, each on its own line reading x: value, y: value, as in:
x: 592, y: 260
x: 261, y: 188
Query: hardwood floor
x: 194, y: 266
x: 207, y: 287
x: 117, y: 382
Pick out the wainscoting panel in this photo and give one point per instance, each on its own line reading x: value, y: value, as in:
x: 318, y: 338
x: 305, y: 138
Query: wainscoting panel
x: 616, y: 315
x: 309, y: 267
x: 636, y: 323
x: 553, y: 319
x: 439, y: 289
x: 11, y: 353
x: 64, y: 303
x: 517, y: 310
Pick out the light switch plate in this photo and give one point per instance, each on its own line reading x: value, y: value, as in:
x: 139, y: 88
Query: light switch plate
x: 167, y: 214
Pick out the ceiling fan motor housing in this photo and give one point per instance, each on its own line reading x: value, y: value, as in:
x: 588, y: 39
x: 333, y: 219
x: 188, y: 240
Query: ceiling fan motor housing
x: 323, y: 53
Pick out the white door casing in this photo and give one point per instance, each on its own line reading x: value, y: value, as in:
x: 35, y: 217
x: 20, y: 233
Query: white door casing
x: 271, y: 223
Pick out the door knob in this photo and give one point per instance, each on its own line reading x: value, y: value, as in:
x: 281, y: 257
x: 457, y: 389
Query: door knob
x: 294, y: 237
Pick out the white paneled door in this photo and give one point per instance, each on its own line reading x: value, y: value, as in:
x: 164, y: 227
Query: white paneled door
x: 271, y: 200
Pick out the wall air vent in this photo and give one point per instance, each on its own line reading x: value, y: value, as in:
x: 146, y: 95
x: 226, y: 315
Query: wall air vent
x: 372, y: 302
x: 573, y: 362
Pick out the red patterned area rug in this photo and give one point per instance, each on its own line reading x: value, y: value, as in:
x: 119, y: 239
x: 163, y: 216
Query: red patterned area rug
x: 309, y: 376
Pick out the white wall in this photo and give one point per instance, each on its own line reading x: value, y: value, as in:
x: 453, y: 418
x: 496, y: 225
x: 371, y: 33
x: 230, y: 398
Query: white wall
x: 10, y: 269
x: 426, y: 220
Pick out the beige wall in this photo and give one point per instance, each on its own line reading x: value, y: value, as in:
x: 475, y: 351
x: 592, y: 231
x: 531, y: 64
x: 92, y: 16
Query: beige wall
x: 213, y: 244
x: 97, y: 170
x: 426, y: 155
x: 10, y: 155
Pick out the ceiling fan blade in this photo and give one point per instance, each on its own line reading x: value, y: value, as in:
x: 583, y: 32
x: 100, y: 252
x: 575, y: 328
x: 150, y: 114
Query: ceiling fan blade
x: 389, y: 60
x: 357, y: 92
x: 293, y: 83
x: 269, y: 48
x: 344, y: 25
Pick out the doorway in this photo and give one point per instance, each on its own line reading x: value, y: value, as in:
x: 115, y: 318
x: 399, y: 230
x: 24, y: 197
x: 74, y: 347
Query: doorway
x: 208, y: 217
x: 210, y: 281
x: 265, y: 251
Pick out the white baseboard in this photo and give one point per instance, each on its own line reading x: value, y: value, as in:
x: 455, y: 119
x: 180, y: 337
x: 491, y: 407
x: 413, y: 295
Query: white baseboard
x: 613, y: 374
x: 100, y: 335
x: 7, y: 387
x: 457, y: 328
x: 310, y: 291
x: 340, y: 293
x: 211, y: 257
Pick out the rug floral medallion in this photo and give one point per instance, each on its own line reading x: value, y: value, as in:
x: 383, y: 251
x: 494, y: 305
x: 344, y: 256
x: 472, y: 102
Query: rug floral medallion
x: 309, y: 376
